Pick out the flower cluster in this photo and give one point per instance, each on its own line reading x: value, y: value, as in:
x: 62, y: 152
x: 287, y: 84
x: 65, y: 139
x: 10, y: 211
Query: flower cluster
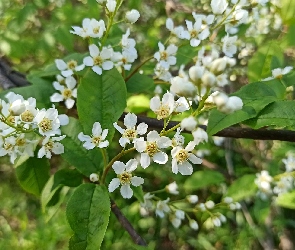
x: 23, y: 125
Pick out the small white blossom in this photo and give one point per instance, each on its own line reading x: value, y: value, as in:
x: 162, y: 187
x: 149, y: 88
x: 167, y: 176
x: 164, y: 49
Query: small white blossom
x: 97, y: 139
x: 162, y: 208
x: 188, y: 123
x: 210, y: 204
x: 219, y: 6
x: 147, y: 204
x: 93, y: 177
x: 172, y: 188
x: 278, y: 73
x: 193, y: 199
x: 132, y: 16
x: 193, y: 225
x: 163, y: 109
x: 125, y: 178
x: 229, y: 47
x: 175, y: 31
x: 51, y: 145
x: 68, y: 92
x: 195, y: 32
x: 162, y: 71
x: 263, y: 182
x: 289, y: 163
x: 131, y: 132
x: 166, y: 55
x: 99, y: 60
x: 284, y: 185
x: 182, y: 86
x: 151, y: 149
x: 111, y: 5
x: 178, y: 139
x: 90, y: 28
x: 68, y: 69
x: 176, y: 218
x: 200, y: 135
x: 180, y: 159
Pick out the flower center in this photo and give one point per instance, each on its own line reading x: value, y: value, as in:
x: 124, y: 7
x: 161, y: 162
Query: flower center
x: 96, y: 30
x: 20, y: 142
x: 182, y: 156
x: 194, y: 33
x: 97, y: 60
x: 67, y: 93
x: 130, y: 133
x: 45, y: 124
x: 151, y: 148
x: 163, y: 55
x: 11, y: 119
x: 125, y: 178
x: 27, y: 116
x: 72, y: 64
x: 162, y: 112
x: 96, y: 140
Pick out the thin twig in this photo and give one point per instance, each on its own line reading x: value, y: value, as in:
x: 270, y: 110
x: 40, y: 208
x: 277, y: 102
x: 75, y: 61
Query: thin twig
x: 127, y: 225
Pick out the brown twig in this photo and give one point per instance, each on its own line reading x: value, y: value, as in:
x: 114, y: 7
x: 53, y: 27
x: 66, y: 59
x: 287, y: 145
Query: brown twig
x: 127, y: 225
x: 232, y: 132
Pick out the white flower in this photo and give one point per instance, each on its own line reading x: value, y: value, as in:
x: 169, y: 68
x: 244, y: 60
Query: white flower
x: 150, y: 149
x: 68, y: 93
x: 125, y: 59
x: 216, y: 221
x: 132, y: 16
x: 178, y: 139
x: 125, y: 178
x: 284, y: 185
x: 209, y: 204
x: 163, y: 109
x: 68, y: 69
x: 162, y: 71
x: 97, y: 139
x: 93, y: 177
x: 193, y: 199
x: 172, y: 188
x: 233, y: 103
x: 196, y: 72
x: 188, y: 123
x: 200, y: 135
x: 175, y: 31
x: 17, y: 107
x: 162, y: 208
x: 289, y: 163
x: 228, y: 200
x: 180, y: 159
x: 229, y: 47
x: 111, y: 5
x: 208, y: 79
x: 167, y: 55
x: 130, y: 133
x: 278, y: 73
x: 128, y: 44
x: 147, y: 204
x: 263, y: 182
x: 219, y: 6
x: 51, y: 145
x: 182, y: 86
x: 90, y: 28
x: 48, y: 121
x: 193, y: 225
x: 177, y: 217
x: 99, y: 60
x: 181, y: 105
x: 195, y: 32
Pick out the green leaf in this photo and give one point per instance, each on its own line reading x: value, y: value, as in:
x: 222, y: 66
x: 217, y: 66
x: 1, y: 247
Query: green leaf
x: 288, y: 11
x: 286, y: 200
x: 280, y: 114
x: 86, y: 161
x: 202, y: 179
x: 101, y: 99
x: 138, y: 83
x: 255, y: 97
x: 259, y: 65
x: 138, y: 193
x: 67, y: 177
x: 242, y: 188
x: 88, y: 212
x: 33, y: 174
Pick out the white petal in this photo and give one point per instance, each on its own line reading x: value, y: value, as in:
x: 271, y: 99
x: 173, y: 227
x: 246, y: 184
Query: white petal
x: 64, y: 120
x: 190, y: 146
x: 58, y: 86
x: 142, y: 128
x: 118, y: 167
x: 71, y: 82
x: 185, y: 168
x: 126, y: 191
x: 164, y: 142
x: 103, y: 144
x: 123, y: 141
x: 137, y: 181
x: 56, y: 97
x: 83, y: 137
x: 41, y: 152
x: 97, y: 69
x: 194, y: 42
x: 107, y: 65
x: 93, y: 50
x: 115, y: 183
x: 104, y: 133
x: 96, y: 129
x: 118, y: 128
x: 67, y: 73
x: 174, y: 166
x: 88, y: 61
x: 58, y: 148
x: 69, y: 103
x: 131, y: 165
x: 80, y: 67
x: 155, y: 103
x: 160, y: 158
x: 140, y: 145
x: 130, y: 120
x: 153, y: 136
x: 89, y: 145
x: 61, y: 64
x: 145, y: 160
x: 194, y: 159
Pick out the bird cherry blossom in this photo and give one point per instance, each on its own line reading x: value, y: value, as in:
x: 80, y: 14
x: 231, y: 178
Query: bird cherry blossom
x: 125, y: 178
x: 131, y: 132
x: 180, y: 159
x: 68, y: 68
x: 166, y: 55
x: 51, y: 145
x: 151, y: 149
x: 97, y: 139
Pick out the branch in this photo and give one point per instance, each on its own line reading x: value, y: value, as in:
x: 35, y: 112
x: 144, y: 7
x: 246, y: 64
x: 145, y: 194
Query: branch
x: 127, y: 225
x: 232, y: 132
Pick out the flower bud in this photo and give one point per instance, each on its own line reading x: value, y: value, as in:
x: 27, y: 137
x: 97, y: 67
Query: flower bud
x: 111, y: 5
x: 93, y: 177
x: 210, y: 204
x: 192, y: 199
x: 200, y: 135
x: 193, y: 224
x: 196, y: 72
x: 234, y: 103
x: 172, y: 188
x: 132, y: 16
x: 17, y: 107
x: 188, y: 123
x: 220, y: 99
x: 218, y: 65
x: 208, y: 79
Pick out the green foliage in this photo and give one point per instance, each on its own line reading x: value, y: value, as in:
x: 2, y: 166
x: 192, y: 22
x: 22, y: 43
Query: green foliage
x: 286, y: 200
x: 242, y: 188
x: 86, y: 161
x: 88, y: 212
x: 33, y: 174
x: 288, y: 11
x: 106, y: 100
x: 202, y: 179
x: 138, y: 83
x: 261, y: 63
